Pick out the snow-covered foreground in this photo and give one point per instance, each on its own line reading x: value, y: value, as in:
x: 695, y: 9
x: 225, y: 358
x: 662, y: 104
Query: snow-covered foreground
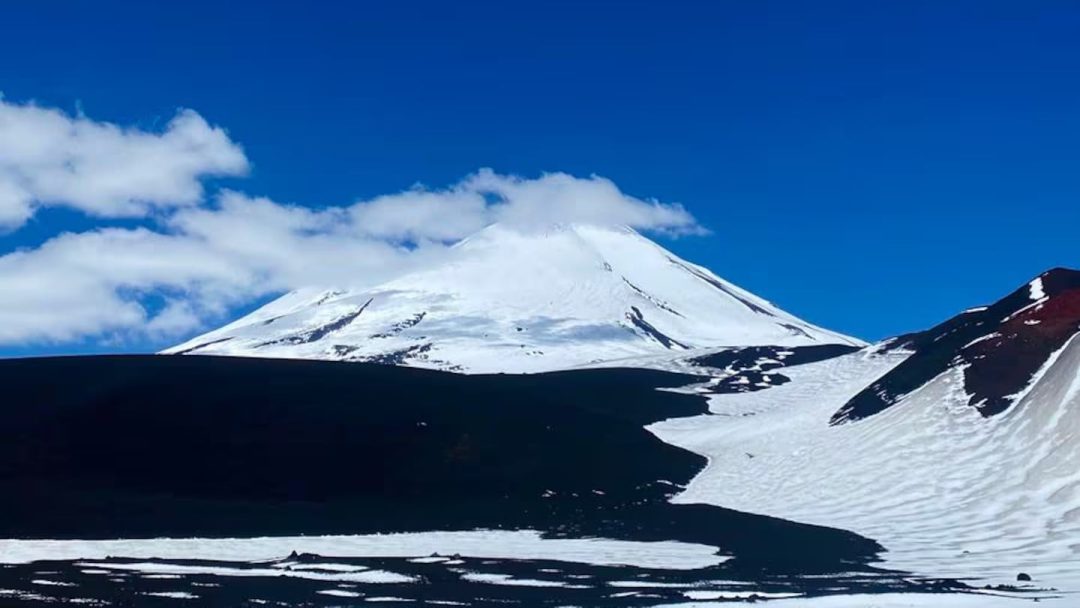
x: 519, y: 544
x: 886, y: 600
x: 486, y: 568
x: 946, y: 491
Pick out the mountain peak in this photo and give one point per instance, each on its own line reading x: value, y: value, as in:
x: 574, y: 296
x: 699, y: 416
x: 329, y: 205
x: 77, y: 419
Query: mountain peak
x: 1063, y: 273
x: 1055, y: 282
x: 499, y: 233
x: 514, y: 300
x: 999, y: 349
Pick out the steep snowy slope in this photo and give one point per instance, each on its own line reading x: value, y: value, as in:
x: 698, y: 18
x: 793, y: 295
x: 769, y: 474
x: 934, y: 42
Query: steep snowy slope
x: 957, y: 448
x: 507, y: 301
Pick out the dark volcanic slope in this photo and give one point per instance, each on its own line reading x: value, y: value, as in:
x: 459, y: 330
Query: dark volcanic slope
x: 754, y: 368
x: 1000, y: 347
x: 192, y: 446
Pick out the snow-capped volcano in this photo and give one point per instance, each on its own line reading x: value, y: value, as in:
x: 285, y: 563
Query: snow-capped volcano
x: 511, y: 301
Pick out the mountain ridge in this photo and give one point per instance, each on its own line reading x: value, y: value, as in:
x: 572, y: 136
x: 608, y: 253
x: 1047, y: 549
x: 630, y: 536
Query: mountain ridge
x: 999, y: 348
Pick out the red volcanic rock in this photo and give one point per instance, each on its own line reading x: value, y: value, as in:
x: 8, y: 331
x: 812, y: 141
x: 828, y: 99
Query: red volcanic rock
x: 999, y: 347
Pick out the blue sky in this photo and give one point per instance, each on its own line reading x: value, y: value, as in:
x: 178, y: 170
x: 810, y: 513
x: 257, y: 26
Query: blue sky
x: 871, y: 167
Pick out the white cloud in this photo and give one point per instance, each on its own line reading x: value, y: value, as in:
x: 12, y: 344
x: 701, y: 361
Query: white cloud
x: 487, y: 197
x: 203, y: 263
x: 50, y: 158
x: 419, y: 214
x: 562, y: 198
x: 196, y: 260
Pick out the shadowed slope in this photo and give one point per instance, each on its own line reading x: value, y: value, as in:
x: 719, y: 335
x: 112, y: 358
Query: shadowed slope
x: 180, y: 446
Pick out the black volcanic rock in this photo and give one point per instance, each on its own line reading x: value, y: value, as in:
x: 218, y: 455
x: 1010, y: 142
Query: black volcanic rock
x: 149, y: 446
x: 754, y: 368
x: 1000, y: 348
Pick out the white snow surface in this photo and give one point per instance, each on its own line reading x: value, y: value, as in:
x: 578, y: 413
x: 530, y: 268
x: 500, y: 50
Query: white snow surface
x: 339, y: 593
x: 889, y: 600
x: 518, y: 544
x: 176, y: 595
x: 506, y: 579
x: 365, y: 576
x: 508, y: 301
x: 944, y: 490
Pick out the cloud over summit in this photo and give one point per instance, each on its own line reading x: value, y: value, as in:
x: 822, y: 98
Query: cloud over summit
x: 487, y: 197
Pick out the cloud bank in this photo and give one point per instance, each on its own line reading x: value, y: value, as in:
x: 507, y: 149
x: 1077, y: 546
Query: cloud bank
x: 196, y: 258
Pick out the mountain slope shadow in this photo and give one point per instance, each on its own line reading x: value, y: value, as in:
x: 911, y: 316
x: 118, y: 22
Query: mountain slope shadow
x: 140, y: 446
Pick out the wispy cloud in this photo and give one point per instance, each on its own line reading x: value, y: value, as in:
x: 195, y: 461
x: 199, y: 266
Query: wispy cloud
x: 196, y: 258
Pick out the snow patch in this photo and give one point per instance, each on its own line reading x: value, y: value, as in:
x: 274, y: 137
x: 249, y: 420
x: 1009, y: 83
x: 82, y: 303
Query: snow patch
x: 506, y: 579
x: 504, y: 544
x: 176, y: 595
x: 1036, y: 289
x: 339, y: 593
x: 704, y: 594
x: 989, y: 336
x: 883, y: 600
x: 40, y: 581
x: 366, y: 576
